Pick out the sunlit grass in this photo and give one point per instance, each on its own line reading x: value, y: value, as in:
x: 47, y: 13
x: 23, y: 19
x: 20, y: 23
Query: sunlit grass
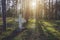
x: 9, y: 29
x: 32, y: 20
x: 9, y: 19
x: 47, y: 28
x: 26, y: 33
x: 31, y: 24
x: 51, y: 29
x: 1, y: 23
x: 47, y: 24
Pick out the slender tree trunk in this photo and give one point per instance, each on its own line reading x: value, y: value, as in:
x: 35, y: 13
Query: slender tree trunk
x: 4, y: 14
x: 56, y: 10
x: 49, y: 11
x: 52, y: 10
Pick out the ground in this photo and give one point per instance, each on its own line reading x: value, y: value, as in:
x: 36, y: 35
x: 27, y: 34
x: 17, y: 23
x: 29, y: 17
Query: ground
x: 35, y: 30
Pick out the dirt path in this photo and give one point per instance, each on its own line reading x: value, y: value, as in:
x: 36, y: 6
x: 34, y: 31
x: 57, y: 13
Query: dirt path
x: 37, y: 33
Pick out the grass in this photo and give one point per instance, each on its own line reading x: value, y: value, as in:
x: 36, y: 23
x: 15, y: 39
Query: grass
x: 9, y: 28
x: 32, y: 31
x: 1, y: 22
x: 50, y: 28
x: 23, y: 36
x: 27, y: 33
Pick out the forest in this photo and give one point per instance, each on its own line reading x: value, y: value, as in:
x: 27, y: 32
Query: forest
x: 29, y: 19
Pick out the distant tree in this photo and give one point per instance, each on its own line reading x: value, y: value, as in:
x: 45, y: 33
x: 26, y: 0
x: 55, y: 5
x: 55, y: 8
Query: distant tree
x: 4, y: 14
x: 10, y: 13
x: 57, y: 10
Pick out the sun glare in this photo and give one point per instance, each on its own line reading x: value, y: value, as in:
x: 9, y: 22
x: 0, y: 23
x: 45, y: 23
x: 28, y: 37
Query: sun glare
x: 19, y: 7
x: 33, y: 4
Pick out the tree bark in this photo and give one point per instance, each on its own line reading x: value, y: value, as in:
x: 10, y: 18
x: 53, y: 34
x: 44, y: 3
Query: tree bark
x: 4, y: 14
x: 49, y: 11
x: 56, y: 10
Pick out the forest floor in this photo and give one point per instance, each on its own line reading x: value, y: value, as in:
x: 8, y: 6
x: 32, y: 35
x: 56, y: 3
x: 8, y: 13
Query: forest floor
x: 40, y: 30
x: 35, y: 30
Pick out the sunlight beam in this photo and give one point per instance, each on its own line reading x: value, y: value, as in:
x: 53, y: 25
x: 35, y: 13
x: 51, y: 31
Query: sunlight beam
x: 33, y: 4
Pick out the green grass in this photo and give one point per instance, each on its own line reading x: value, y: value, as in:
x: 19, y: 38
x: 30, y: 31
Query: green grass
x: 50, y: 28
x: 32, y: 30
x: 25, y: 35
x: 1, y: 21
x: 10, y: 29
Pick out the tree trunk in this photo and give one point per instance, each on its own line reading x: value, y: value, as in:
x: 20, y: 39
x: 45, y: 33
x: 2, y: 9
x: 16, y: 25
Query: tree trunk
x: 49, y: 11
x: 56, y: 10
x: 4, y: 14
x: 52, y: 10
